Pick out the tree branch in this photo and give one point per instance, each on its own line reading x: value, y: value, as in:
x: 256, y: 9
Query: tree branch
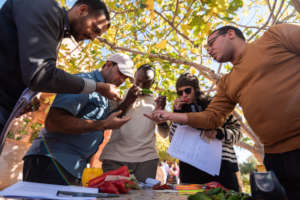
x: 256, y: 151
x: 265, y: 24
x: 279, y: 9
x: 296, y: 4
x: 205, y: 71
x: 175, y: 12
x: 172, y: 25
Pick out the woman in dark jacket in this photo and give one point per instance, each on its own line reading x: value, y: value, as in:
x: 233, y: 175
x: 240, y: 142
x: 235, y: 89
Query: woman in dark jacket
x: 191, y: 99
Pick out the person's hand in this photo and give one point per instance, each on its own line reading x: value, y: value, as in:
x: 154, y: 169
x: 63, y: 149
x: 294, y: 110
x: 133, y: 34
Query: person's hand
x: 159, y: 116
x: 160, y: 102
x: 114, y: 122
x: 178, y: 103
x: 132, y: 94
x: 211, y: 134
x: 108, y: 90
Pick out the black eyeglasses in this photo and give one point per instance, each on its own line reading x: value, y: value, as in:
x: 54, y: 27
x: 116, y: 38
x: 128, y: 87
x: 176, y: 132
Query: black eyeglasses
x: 186, y: 91
x: 210, y: 43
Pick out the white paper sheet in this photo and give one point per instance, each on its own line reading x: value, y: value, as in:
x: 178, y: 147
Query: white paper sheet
x: 44, y: 191
x: 188, y: 146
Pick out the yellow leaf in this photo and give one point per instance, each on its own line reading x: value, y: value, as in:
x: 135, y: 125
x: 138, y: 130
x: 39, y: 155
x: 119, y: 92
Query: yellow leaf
x: 185, y: 28
x: 193, y: 70
x: 161, y: 45
x: 150, y: 4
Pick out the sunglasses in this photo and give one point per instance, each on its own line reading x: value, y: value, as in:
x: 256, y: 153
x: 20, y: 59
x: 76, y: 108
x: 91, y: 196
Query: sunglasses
x: 186, y: 91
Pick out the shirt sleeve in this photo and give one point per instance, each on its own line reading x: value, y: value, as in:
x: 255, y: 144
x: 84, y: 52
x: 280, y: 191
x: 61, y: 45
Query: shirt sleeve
x: 215, y: 114
x: 39, y: 25
x: 72, y: 103
x: 231, y: 131
x: 287, y: 35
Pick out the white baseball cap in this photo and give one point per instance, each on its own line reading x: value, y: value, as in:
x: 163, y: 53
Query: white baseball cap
x: 124, y: 62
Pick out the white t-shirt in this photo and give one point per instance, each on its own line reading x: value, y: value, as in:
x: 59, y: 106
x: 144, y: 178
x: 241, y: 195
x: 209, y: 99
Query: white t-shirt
x: 135, y: 140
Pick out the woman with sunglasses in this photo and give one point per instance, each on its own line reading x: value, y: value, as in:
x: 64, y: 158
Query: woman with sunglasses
x: 191, y: 99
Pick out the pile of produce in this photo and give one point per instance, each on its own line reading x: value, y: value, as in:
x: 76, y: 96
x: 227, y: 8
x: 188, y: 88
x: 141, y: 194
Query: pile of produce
x: 219, y: 193
x: 116, y: 181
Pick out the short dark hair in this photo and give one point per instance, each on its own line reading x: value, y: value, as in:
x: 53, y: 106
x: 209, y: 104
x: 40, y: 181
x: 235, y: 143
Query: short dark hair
x: 147, y: 67
x: 95, y: 6
x: 223, y: 30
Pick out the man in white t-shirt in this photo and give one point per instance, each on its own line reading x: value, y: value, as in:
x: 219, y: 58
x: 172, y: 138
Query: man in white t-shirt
x: 134, y: 143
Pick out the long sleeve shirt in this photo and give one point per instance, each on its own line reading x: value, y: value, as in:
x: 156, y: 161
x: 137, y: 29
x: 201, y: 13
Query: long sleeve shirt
x: 265, y: 82
x: 30, y: 35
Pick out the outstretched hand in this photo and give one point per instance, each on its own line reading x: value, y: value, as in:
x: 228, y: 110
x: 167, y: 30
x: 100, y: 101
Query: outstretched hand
x: 159, y: 116
x: 114, y: 122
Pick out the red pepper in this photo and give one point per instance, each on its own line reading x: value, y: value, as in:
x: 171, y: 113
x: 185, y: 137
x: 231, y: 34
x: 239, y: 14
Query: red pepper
x: 122, y: 171
x: 108, y: 187
x: 213, y: 184
x: 162, y: 187
x: 121, y: 185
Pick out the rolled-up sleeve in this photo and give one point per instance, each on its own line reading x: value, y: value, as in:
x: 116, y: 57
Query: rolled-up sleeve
x: 215, y: 114
x: 39, y: 33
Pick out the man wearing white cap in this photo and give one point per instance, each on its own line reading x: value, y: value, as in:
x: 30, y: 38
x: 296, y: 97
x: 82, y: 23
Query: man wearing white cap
x: 74, y: 128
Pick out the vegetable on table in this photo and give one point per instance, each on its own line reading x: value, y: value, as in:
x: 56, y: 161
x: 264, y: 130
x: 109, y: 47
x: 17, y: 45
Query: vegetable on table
x: 108, y: 187
x: 219, y: 194
x: 114, y: 181
x: 122, y: 171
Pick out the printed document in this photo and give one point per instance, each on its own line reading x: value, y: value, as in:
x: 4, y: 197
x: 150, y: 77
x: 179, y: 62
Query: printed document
x: 44, y: 191
x: 189, y: 147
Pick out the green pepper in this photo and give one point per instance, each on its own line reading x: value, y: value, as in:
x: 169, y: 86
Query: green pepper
x: 214, y: 191
x: 199, y: 196
x: 219, y: 196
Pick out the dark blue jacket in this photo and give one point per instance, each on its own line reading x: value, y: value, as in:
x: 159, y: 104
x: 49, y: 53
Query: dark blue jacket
x: 30, y: 35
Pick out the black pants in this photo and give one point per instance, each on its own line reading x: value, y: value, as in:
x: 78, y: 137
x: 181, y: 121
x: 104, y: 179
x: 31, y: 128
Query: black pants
x: 227, y: 176
x: 286, y: 166
x: 43, y: 169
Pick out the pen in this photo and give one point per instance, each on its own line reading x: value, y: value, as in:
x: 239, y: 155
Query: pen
x: 84, y: 194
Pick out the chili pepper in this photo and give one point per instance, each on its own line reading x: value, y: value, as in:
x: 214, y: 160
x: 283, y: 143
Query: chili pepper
x: 213, y: 185
x: 123, y: 171
x: 121, y: 185
x: 108, y: 187
x: 132, y: 185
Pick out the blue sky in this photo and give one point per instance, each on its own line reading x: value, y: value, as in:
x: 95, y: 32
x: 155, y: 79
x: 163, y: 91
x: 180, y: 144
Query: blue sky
x: 1, y: 2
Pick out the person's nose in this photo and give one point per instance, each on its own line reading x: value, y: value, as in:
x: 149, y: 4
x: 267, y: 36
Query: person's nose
x: 93, y: 36
x: 209, y: 50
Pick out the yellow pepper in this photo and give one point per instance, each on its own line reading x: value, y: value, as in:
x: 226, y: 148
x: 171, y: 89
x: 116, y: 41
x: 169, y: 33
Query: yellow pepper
x: 90, y: 173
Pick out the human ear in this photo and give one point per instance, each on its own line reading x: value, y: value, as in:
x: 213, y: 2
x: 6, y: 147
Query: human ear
x: 83, y: 10
x: 231, y: 34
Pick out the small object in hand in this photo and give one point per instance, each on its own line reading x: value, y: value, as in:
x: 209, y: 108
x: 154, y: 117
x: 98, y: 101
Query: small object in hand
x: 161, y: 101
x: 146, y: 91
